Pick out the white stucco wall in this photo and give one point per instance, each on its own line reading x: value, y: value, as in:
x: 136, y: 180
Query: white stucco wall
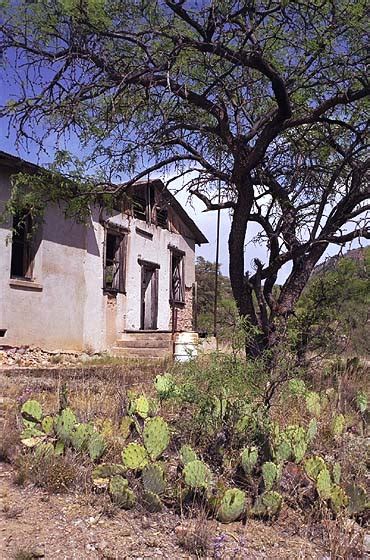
x: 65, y: 307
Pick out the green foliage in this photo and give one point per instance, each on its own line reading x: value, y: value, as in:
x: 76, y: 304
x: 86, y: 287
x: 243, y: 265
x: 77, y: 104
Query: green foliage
x: 271, y: 474
x: 338, y: 425
x: 313, y: 403
x: 120, y: 493
x: 249, y: 458
x: 165, y: 386
x: 96, y: 446
x: 125, y: 426
x: 156, y: 436
x: 65, y: 424
x: 31, y: 411
x: 153, y: 479
x: 187, y: 454
x: 361, y: 401
x: 313, y: 466
x: 47, y: 425
x: 232, y: 505
x: 152, y: 501
x: 197, y: 475
x: 268, y: 504
x: 323, y: 484
x: 134, y: 456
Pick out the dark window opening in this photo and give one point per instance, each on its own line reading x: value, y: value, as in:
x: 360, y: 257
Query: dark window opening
x: 22, y: 253
x: 177, y: 288
x: 147, y: 206
x: 115, y: 262
x: 2, y: 333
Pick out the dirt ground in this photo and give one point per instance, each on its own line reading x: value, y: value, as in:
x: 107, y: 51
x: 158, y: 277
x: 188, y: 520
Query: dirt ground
x: 82, y: 525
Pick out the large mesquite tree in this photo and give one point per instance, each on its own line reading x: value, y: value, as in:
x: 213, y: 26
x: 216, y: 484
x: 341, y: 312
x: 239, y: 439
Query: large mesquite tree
x: 265, y: 97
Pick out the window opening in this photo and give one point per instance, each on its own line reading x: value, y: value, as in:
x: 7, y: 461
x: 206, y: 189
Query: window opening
x: 177, y: 292
x: 115, y: 262
x: 22, y: 253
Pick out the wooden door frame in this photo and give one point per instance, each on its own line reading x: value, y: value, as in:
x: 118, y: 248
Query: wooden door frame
x: 154, y: 267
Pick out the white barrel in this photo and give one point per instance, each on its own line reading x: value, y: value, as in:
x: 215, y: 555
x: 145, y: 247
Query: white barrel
x: 186, y: 346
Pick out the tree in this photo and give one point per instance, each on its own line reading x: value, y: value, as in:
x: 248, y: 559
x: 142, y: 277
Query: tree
x: 266, y: 97
x: 226, y: 309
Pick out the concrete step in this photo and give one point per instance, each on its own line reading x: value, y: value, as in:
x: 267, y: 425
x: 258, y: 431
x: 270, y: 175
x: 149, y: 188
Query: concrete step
x: 144, y: 343
x: 146, y: 336
x: 141, y: 352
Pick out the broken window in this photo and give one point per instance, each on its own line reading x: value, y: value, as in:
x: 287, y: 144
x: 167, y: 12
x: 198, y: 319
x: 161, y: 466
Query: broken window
x: 177, y: 285
x: 115, y: 261
x: 148, y: 206
x: 22, y: 249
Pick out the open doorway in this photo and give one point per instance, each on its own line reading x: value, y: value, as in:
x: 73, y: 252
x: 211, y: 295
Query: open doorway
x: 149, y: 296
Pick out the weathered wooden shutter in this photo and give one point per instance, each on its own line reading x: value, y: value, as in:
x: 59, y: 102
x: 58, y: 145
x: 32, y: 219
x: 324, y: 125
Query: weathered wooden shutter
x: 122, y: 264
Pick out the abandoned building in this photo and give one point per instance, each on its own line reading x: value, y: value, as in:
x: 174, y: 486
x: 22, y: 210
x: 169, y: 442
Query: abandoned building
x: 122, y: 283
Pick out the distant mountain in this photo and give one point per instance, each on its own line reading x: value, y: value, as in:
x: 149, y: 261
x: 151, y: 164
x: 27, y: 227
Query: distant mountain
x: 331, y: 263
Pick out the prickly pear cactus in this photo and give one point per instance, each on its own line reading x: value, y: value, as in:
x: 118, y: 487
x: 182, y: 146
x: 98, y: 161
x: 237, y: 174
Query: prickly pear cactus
x: 164, y: 385
x: 59, y: 448
x: 249, y: 458
x: 313, y: 403
x: 156, y: 436
x: 31, y: 411
x: 270, y: 474
x: 232, y: 505
x: 30, y: 437
x: 187, y: 454
x: 358, y: 499
x: 152, y: 501
x: 272, y: 502
x: 297, y: 387
x: 153, y: 479
x: 323, y: 484
x: 336, y: 473
x: 311, y: 430
x: 283, y: 451
x: 338, y: 498
x: 44, y: 449
x: 296, y: 437
x: 120, y: 493
x: 125, y: 426
x: 142, y: 406
x: 65, y: 424
x: 47, y: 425
x: 102, y: 474
x: 96, y: 446
x: 80, y: 436
x: 338, y: 425
x: 134, y: 456
x: 313, y: 466
x: 197, y: 474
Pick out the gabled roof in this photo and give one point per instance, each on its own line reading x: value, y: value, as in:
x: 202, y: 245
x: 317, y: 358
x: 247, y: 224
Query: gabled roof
x: 20, y: 164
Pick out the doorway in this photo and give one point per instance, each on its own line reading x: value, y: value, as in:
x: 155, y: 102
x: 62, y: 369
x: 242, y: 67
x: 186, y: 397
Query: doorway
x: 149, y: 296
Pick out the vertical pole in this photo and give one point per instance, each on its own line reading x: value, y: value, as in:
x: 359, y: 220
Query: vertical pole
x: 217, y: 264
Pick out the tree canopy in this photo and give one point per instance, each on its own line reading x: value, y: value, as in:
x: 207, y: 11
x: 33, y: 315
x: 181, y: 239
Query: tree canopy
x: 267, y: 98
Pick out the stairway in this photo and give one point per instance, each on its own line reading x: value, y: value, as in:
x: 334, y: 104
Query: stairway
x: 144, y: 344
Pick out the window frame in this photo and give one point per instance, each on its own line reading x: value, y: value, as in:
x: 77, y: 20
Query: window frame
x: 122, y: 235
x: 26, y: 242
x: 177, y: 253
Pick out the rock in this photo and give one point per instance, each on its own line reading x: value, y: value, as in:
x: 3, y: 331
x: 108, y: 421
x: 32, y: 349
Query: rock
x: 367, y: 543
x: 38, y: 552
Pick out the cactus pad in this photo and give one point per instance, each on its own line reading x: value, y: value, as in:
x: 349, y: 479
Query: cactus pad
x: 96, y: 446
x: 197, y: 474
x: 65, y: 424
x: 313, y: 466
x: 358, y: 500
x: 164, y: 385
x: 80, y: 437
x: 323, y: 484
x: 272, y: 502
x: 338, y: 425
x: 232, y: 505
x: 153, y: 479
x: 156, y: 436
x: 313, y: 403
x: 152, y: 501
x: 142, y: 406
x: 311, y: 430
x: 31, y: 411
x: 270, y: 473
x: 47, y: 425
x: 338, y: 498
x: 187, y: 454
x: 249, y: 458
x: 125, y: 426
x: 134, y: 456
x: 120, y: 493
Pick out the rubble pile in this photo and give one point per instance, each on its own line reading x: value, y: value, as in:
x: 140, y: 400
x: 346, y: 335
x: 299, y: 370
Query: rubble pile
x: 25, y: 356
